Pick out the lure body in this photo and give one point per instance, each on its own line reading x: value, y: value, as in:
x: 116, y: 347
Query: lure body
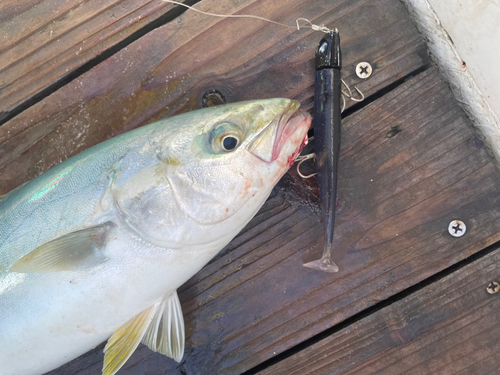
x: 326, y: 122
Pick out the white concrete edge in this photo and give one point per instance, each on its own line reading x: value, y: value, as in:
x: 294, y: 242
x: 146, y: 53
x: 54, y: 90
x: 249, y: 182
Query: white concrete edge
x: 466, y: 91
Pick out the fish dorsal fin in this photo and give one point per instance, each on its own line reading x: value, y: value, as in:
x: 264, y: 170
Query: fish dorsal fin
x: 165, y: 334
x: 125, y: 340
x: 67, y: 252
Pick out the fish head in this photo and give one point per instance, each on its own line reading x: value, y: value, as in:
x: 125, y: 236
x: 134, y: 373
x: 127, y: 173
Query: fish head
x: 217, y: 166
x: 228, y: 159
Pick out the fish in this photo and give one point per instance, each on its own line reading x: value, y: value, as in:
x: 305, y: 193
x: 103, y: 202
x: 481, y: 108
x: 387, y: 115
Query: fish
x: 95, y: 248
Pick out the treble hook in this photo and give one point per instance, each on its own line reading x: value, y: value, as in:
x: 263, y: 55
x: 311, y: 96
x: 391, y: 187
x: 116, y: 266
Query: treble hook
x: 348, y: 89
x: 349, y: 95
x: 301, y: 159
x: 360, y: 93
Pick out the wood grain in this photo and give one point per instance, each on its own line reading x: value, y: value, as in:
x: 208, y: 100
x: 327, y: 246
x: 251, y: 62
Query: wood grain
x: 168, y: 70
x: 397, y: 196
x: 449, y: 327
x: 42, y: 41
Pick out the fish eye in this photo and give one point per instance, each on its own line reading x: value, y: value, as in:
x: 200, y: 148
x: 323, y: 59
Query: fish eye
x: 229, y: 143
x: 225, y: 137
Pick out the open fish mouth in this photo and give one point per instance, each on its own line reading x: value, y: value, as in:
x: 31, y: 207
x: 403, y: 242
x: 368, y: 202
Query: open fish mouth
x: 291, y: 121
x: 270, y: 142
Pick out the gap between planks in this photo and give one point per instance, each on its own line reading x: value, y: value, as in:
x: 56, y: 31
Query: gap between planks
x: 384, y: 78
x: 168, y: 69
x: 307, y: 355
x: 234, y: 319
x: 19, y: 90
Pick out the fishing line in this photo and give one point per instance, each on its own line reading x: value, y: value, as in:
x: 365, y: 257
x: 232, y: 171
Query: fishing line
x: 311, y: 25
x: 322, y: 28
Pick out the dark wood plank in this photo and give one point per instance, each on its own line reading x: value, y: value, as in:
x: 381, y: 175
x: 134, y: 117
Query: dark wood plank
x: 42, y: 40
x: 397, y: 196
x: 168, y: 70
x: 449, y: 327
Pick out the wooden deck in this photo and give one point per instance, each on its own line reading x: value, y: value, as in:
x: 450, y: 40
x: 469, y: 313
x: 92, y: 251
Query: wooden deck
x: 408, y: 299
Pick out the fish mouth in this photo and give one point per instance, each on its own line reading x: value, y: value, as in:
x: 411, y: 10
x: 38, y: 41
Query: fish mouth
x: 270, y: 142
x: 291, y: 120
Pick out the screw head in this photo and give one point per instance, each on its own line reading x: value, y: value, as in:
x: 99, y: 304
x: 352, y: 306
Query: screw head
x: 493, y: 287
x: 457, y: 228
x: 363, y: 70
x: 212, y: 98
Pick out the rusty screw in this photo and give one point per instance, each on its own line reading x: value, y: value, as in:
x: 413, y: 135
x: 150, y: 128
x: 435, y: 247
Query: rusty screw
x: 363, y: 70
x: 212, y: 98
x: 457, y: 228
x: 493, y: 287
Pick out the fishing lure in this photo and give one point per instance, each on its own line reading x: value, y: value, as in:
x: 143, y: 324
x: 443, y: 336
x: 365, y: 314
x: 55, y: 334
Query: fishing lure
x: 327, y: 112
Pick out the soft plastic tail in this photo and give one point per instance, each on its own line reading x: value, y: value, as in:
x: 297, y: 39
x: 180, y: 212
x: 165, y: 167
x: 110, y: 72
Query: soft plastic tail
x: 325, y: 264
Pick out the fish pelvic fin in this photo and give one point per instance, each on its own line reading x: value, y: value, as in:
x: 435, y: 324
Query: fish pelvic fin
x: 160, y: 327
x: 125, y: 340
x: 165, y: 334
x: 67, y: 252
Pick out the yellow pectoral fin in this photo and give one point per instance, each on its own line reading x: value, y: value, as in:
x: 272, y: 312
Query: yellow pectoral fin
x: 125, y: 340
x: 67, y: 252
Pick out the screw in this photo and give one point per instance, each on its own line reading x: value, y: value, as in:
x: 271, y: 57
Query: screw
x: 457, y: 228
x: 394, y: 131
x: 493, y: 287
x: 363, y: 70
x: 212, y: 98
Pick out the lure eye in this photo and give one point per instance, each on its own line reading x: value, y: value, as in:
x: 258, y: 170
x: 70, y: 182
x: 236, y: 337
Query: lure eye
x: 322, y: 48
x: 225, y: 137
x: 229, y: 143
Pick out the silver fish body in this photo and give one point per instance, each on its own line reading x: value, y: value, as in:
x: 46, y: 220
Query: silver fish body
x: 98, y: 245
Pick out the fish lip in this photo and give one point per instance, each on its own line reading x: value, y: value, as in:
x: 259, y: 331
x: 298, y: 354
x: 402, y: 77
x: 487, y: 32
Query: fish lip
x: 286, y: 127
x: 269, y: 142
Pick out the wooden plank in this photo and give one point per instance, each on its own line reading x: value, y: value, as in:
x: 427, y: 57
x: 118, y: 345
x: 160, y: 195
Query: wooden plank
x: 397, y: 196
x: 449, y: 327
x: 168, y: 70
x: 41, y: 41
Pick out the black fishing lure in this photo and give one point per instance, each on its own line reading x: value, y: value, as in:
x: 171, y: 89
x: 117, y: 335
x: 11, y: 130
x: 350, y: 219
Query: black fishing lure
x: 327, y: 111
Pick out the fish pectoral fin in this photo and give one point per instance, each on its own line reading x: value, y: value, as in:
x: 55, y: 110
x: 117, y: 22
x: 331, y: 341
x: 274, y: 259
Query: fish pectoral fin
x: 125, y: 340
x: 67, y: 252
x: 165, y: 334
